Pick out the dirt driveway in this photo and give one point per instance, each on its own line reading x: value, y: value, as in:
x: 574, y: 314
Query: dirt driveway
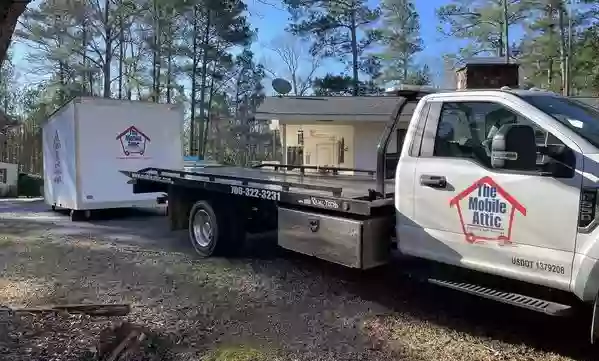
x: 270, y: 305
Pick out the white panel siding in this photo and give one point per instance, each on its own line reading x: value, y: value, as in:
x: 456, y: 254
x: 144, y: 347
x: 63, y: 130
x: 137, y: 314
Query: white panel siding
x: 323, y: 136
x: 366, y: 140
x: 361, y: 140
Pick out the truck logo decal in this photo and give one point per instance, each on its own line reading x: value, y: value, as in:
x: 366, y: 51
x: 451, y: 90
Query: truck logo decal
x: 324, y: 203
x: 133, y: 141
x: 319, y: 202
x: 486, y: 212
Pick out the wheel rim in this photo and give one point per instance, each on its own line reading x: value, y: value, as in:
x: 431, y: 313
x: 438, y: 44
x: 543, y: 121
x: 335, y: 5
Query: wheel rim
x: 202, y: 228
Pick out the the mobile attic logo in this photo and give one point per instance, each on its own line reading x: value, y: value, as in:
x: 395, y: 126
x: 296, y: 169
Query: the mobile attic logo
x: 487, y: 212
x: 133, y: 141
x: 57, y: 173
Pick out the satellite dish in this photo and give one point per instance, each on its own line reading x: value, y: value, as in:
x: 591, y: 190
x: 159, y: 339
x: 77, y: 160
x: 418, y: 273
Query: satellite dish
x: 281, y: 86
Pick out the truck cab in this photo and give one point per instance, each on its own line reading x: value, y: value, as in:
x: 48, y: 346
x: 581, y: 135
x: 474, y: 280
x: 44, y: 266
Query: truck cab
x: 503, y: 182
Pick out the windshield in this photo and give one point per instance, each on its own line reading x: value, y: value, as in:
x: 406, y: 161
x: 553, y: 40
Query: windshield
x: 579, y: 117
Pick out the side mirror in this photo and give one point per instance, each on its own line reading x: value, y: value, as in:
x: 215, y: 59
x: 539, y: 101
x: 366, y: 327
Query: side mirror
x: 514, y: 146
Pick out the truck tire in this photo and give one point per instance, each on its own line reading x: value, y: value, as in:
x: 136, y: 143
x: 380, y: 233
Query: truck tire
x: 216, y: 231
x: 595, y: 322
x: 80, y: 215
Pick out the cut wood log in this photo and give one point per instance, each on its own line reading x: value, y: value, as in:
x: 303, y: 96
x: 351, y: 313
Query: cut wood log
x: 124, y: 345
x: 119, y: 341
x: 88, y: 309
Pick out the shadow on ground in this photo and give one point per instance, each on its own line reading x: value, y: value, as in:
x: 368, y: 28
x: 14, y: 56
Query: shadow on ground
x: 299, y: 306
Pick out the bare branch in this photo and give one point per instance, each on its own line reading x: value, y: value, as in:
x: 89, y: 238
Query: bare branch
x: 271, y: 4
x: 295, y: 57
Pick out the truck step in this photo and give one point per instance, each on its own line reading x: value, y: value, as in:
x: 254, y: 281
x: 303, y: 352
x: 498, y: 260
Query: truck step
x: 515, y: 299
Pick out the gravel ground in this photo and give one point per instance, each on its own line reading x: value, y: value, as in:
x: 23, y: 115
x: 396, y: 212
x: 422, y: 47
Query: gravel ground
x: 272, y: 305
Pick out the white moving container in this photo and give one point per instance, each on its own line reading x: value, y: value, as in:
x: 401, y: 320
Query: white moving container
x: 9, y: 179
x: 88, y: 140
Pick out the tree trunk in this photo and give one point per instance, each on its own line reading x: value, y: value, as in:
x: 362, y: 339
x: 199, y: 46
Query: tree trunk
x: 121, y: 49
x: 156, y: 60
x: 169, y: 59
x: 354, y: 50
x: 294, y: 83
x: 194, y: 84
x: 550, y: 72
x: 506, y: 30
x: 87, y: 76
x: 132, y: 69
x: 204, y: 76
x: 9, y: 14
x: 208, y: 117
x: 550, y: 60
x: 108, y: 55
x: 562, y: 50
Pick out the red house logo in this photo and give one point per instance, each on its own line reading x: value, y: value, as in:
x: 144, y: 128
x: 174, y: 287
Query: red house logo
x: 133, y: 141
x: 486, y: 212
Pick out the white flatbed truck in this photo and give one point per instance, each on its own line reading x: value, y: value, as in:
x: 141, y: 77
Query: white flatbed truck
x: 498, y: 188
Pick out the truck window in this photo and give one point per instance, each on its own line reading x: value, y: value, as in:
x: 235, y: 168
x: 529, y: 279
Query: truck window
x: 466, y: 129
x: 579, y: 117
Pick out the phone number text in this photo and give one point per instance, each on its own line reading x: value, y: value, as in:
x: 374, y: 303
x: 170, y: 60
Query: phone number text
x: 256, y: 193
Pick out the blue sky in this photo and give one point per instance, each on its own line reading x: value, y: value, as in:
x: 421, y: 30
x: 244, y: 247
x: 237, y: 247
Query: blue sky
x: 271, y: 22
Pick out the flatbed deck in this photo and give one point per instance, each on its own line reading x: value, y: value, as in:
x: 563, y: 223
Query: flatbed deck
x: 350, y: 185
x: 350, y: 193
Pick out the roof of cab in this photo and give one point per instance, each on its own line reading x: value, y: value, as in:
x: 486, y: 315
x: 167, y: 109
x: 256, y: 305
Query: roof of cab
x: 529, y: 92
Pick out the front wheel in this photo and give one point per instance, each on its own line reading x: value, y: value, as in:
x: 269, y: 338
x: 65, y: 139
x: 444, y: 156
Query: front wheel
x: 215, y: 231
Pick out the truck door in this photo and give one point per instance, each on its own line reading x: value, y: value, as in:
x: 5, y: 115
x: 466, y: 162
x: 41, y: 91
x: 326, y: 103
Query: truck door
x: 519, y: 224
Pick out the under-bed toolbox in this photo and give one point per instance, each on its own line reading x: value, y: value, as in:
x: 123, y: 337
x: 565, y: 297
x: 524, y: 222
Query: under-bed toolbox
x: 350, y: 242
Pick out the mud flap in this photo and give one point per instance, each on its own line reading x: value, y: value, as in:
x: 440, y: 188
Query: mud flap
x: 595, y: 321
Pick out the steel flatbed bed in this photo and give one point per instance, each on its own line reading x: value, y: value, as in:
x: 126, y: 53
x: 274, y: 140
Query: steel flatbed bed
x: 337, y: 191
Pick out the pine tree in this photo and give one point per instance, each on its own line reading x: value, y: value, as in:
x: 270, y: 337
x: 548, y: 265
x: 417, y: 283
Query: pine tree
x: 401, y: 38
x: 482, y: 23
x: 338, y: 28
x: 544, y: 49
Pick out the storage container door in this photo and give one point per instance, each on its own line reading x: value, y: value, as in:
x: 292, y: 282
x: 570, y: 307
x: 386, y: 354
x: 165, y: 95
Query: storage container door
x: 115, y: 136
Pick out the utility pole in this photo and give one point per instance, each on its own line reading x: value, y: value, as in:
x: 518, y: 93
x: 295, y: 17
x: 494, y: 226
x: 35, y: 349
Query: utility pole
x: 559, y: 6
x: 506, y: 29
x: 569, y: 50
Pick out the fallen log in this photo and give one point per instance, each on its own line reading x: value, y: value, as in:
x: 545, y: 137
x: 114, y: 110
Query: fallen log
x: 133, y: 339
x: 119, y: 340
x: 88, y: 309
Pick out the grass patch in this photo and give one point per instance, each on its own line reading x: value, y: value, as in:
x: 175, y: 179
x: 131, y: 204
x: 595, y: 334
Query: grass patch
x: 6, y: 242
x: 238, y: 353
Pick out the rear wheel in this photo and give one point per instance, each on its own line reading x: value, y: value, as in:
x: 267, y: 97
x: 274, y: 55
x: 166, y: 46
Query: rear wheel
x: 216, y: 231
